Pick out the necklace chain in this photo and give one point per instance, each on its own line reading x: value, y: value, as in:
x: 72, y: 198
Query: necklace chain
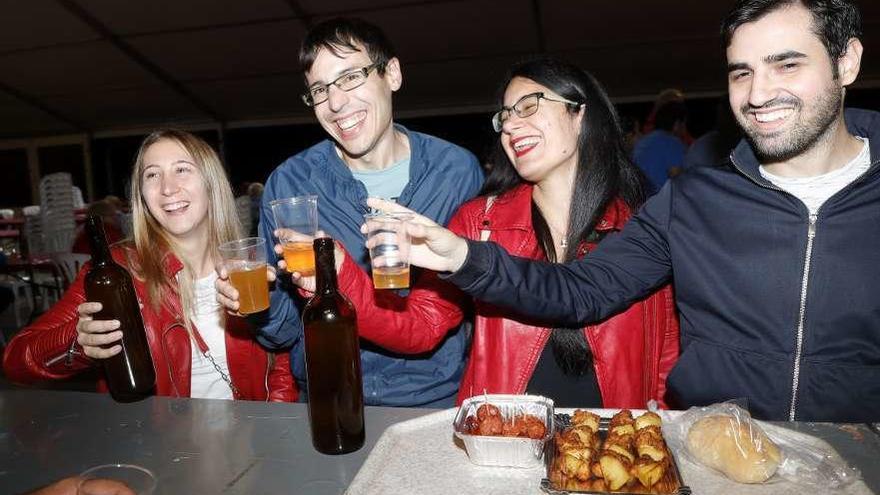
x: 235, y: 393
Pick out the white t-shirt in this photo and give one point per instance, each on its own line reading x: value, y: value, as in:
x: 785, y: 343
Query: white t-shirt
x: 814, y: 191
x: 205, y: 381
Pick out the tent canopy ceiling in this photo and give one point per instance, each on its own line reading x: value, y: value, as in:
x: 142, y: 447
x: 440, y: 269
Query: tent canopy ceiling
x: 97, y: 65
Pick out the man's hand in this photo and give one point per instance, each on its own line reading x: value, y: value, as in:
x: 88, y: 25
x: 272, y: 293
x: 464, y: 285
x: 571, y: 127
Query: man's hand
x: 304, y: 282
x: 433, y: 246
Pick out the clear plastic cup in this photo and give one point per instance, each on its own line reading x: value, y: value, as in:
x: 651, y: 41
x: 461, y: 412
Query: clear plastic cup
x: 297, y: 218
x: 118, y: 479
x: 245, y: 262
x: 389, y: 249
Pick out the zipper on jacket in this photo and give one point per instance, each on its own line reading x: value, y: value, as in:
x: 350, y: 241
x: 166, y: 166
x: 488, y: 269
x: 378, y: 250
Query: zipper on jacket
x: 799, y: 347
x: 811, y: 234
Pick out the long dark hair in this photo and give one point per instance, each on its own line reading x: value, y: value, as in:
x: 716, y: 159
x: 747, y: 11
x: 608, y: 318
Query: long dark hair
x: 604, y: 172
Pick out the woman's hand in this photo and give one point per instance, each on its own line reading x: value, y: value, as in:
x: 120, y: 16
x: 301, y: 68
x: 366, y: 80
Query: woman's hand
x: 93, y: 334
x: 227, y: 295
x: 433, y: 246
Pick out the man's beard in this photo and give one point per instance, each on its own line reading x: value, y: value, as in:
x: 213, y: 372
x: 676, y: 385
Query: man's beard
x: 805, y: 132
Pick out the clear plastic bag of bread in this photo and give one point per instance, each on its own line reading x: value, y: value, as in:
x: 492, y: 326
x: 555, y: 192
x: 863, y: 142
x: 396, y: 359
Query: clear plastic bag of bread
x: 725, y: 438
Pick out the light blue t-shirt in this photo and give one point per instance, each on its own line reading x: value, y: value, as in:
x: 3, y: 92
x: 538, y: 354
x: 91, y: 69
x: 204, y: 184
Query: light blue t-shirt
x: 386, y: 184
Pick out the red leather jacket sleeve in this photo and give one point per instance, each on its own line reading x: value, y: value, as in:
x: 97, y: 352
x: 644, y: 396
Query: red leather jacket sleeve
x: 282, y: 387
x: 409, y: 325
x: 47, y: 349
x: 667, y: 355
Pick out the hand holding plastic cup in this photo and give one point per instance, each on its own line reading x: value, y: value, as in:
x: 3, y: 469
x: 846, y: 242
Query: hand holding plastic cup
x: 389, y: 244
x: 296, y: 219
x: 245, y: 261
x: 117, y: 479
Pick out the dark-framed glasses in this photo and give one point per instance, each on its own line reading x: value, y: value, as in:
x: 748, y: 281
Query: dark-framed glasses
x: 525, y: 106
x: 318, y: 93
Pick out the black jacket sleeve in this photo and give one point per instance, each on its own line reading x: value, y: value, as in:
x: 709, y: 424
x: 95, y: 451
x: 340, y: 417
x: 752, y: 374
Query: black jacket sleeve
x: 625, y: 267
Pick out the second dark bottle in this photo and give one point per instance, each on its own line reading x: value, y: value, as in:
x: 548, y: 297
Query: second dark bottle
x: 333, y: 361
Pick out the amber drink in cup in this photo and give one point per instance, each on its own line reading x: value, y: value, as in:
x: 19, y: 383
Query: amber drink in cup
x: 297, y: 220
x: 245, y: 261
x: 389, y: 249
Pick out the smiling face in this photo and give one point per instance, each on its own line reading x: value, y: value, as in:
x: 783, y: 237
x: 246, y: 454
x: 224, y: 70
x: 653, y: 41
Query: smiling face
x: 544, y: 143
x: 781, y: 84
x: 174, y: 190
x: 358, y: 119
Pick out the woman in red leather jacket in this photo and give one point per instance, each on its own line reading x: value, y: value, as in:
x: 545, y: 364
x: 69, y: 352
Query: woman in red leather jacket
x: 559, y: 183
x: 182, y: 210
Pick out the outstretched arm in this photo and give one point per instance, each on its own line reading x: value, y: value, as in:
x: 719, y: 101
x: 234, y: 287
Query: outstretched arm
x: 625, y: 267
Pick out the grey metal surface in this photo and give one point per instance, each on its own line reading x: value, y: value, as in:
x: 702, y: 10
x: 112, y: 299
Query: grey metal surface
x: 195, y: 446
x: 201, y: 446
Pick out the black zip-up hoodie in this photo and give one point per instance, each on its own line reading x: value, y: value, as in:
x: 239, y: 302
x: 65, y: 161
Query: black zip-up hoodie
x: 776, y: 306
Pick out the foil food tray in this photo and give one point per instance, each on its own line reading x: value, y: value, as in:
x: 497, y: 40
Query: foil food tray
x: 506, y: 451
x: 672, y: 482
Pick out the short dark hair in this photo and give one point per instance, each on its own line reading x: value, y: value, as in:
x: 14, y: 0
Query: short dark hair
x: 668, y: 114
x: 835, y: 22
x: 341, y: 35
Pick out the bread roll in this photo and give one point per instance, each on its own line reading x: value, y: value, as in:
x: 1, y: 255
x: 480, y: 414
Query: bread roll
x: 743, y: 454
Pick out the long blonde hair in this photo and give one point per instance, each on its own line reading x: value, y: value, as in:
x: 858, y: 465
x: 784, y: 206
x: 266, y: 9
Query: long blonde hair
x: 153, y: 243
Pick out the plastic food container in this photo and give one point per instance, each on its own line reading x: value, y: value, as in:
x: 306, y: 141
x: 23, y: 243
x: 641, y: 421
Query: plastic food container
x: 506, y: 451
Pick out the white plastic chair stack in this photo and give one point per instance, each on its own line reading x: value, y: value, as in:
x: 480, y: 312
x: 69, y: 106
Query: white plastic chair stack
x: 56, y: 207
x: 33, y: 229
x: 69, y: 264
x: 18, y: 313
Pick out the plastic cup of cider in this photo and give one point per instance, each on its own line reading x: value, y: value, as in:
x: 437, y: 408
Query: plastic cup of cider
x: 389, y: 245
x: 245, y: 261
x: 296, y: 219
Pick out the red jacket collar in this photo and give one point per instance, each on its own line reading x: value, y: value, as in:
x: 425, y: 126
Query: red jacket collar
x: 128, y: 253
x: 517, y: 213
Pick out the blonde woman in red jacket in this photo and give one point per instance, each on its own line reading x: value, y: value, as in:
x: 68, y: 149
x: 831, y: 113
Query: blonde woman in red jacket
x: 182, y: 210
x: 559, y: 183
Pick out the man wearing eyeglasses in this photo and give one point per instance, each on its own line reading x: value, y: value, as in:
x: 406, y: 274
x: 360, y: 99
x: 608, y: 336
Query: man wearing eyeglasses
x: 351, y: 73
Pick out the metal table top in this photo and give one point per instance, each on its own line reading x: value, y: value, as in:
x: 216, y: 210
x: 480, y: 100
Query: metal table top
x: 193, y: 445
x: 204, y: 446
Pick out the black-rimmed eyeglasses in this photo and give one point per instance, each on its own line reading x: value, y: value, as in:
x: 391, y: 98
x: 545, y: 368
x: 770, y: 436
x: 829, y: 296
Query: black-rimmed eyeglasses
x: 524, y: 107
x: 319, y: 93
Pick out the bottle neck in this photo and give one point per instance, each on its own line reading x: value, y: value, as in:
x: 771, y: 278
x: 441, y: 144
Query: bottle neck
x: 97, y: 240
x: 325, y: 265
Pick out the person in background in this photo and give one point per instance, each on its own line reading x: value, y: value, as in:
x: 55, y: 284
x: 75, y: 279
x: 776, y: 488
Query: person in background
x: 714, y: 147
x: 668, y: 95
x: 660, y: 153
x: 255, y: 193
x: 773, y: 255
x: 110, y: 216
x: 632, y: 132
x: 561, y: 182
x: 351, y: 73
x: 183, y: 210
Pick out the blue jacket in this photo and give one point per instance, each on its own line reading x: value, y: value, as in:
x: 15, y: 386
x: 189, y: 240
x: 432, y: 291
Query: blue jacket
x: 442, y: 176
x: 776, y: 306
